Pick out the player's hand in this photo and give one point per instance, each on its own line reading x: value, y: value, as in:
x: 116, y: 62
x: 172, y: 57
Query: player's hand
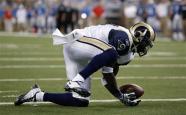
x: 129, y: 99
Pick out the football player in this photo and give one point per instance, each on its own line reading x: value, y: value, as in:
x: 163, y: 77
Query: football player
x: 176, y: 18
x: 87, y: 50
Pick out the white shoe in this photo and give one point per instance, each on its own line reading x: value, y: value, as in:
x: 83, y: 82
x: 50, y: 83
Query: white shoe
x: 29, y: 96
x: 75, y: 86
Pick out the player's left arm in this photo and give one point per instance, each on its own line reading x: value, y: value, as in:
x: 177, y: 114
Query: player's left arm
x: 115, y: 69
x: 110, y: 83
x: 109, y: 80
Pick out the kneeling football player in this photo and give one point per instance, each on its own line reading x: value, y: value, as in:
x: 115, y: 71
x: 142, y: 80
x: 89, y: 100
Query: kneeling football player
x: 87, y: 50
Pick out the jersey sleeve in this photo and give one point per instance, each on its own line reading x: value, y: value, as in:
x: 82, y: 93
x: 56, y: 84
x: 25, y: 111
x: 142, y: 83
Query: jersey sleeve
x: 124, y: 60
x: 107, y: 69
x: 120, y: 41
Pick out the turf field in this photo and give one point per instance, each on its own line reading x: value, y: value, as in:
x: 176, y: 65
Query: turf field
x: 25, y: 61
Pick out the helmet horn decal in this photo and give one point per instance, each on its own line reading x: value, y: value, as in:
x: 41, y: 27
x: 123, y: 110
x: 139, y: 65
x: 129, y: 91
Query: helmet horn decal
x: 149, y: 28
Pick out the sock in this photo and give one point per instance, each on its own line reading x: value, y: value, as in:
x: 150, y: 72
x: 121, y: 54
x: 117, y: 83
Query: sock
x: 39, y: 96
x: 78, y: 77
x: 65, y: 99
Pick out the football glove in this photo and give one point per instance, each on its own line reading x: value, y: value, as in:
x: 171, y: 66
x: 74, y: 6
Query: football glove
x: 129, y: 99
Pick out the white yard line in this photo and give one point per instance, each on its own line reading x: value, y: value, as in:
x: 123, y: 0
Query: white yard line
x: 8, y: 91
x: 16, y: 46
x: 61, y: 58
x: 63, y: 66
x: 31, y: 59
x: 9, y: 96
x: 30, y: 66
x: 28, y: 53
x: 23, y: 34
x: 162, y: 58
x: 150, y: 54
x: 155, y: 66
x: 97, y: 78
x: 161, y: 54
x: 104, y: 101
x: 147, y: 100
x: 31, y: 79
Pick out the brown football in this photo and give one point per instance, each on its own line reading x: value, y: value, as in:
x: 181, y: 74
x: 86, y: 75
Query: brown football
x: 128, y: 88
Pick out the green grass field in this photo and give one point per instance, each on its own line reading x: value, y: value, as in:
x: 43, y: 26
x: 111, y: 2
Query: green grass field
x: 25, y: 61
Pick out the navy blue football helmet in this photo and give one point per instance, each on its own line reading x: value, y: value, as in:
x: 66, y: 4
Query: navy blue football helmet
x: 143, y: 37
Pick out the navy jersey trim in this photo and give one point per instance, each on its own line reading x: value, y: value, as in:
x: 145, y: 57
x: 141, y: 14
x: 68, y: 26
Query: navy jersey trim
x: 95, y: 42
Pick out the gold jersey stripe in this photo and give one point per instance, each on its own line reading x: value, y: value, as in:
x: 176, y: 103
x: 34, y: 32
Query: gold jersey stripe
x: 95, y: 42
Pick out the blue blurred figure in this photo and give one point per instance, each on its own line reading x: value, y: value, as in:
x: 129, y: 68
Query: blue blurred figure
x: 177, y: 27
x: 41, y: 16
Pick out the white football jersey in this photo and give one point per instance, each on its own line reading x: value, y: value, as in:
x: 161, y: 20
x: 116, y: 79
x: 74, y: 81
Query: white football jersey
x: 80, y: 47
x: 99, y: 32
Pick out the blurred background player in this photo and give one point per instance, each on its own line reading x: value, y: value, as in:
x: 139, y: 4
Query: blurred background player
x: 183, y: 13
x: 113, y: 13
x: 21, y: 16
x: 97, y: 13
x: 50, y: 17
x: 86, y: 51
x: 129, y: 11
x: 162, y: 10
x: 60, y: 17
x: 8, y: 19
x: 177, y: 24
x: 67, y: 17
x: 146, y: 11
x: 41, y: 10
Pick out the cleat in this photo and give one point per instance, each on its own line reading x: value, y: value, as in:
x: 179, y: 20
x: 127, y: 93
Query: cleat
x: 28, y: 97
x: 74, y: 86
